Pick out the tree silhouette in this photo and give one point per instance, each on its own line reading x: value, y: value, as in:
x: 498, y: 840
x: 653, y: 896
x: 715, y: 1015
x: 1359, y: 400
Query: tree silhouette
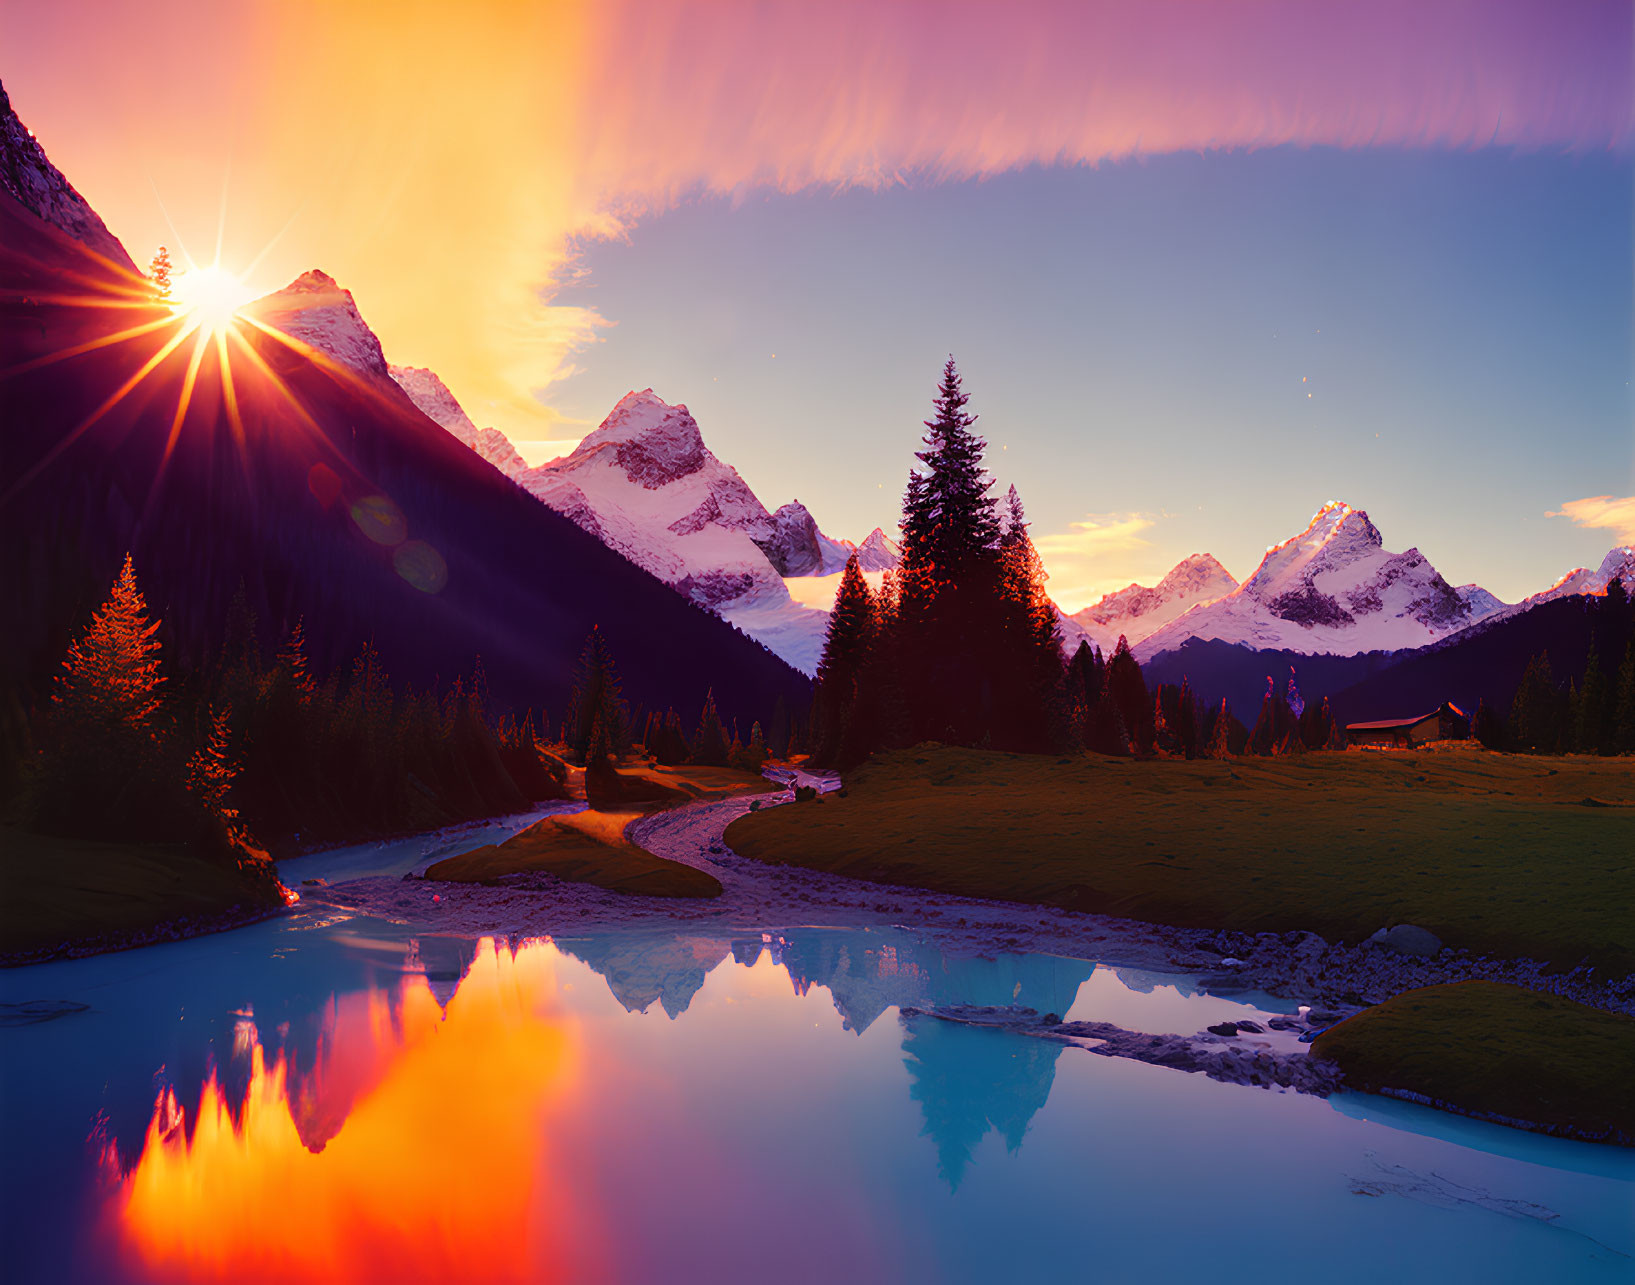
x: 710, y: 743
x: 159, y: 273
x: 846, y: 648
x: 596, y: 700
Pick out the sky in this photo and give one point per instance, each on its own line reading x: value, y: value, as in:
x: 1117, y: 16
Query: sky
x: 1204, y: 267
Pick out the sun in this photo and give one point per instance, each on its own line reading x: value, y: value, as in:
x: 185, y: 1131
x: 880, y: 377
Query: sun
x: 209, y: 296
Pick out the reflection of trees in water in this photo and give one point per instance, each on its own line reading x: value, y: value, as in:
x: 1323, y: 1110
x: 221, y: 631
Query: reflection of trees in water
x: 968, y: 1080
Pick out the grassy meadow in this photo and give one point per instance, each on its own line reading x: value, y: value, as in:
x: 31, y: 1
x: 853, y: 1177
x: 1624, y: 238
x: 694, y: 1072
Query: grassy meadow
x: 1499, y: 1050
x: 78, y: 891
x: 1502, y: 854
x: 590, y: 847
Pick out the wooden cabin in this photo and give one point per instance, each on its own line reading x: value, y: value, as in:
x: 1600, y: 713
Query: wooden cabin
x: 1447, y: 722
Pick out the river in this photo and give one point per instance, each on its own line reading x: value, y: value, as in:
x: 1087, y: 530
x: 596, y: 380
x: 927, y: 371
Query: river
x: 337, y: 1097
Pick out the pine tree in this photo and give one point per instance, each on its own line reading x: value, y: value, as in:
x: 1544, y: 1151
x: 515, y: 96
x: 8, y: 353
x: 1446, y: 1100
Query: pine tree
x: 110, y: 677
x: 210, y: 774
x: 710, y: 742
x: 159, y: 274
x: 1032, y: 697
x: 1220, y: 733
x: 595, y: 697
x: 949, y: 521
x: 1590, y: 732
x: 1623, y: 706
x: 846, y: 647
x: 106, y: 766
x: 1127, y: 689
x: 1535, y: 714
x: 1185, y: 722
x: 950, y: 620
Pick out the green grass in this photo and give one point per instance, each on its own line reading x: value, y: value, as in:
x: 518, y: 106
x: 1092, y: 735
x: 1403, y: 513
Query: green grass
x: 584, y: 847
x: 1506, y: 855
x: 1497, y: 1050
x: 590, y: 847
x: 56, y: 891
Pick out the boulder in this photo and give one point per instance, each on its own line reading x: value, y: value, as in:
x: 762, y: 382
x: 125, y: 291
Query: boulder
x: 1407, y: 939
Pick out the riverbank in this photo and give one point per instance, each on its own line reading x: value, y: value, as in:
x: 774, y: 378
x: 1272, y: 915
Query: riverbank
x: 1502, y: 855
x: 1331, y: 980
x: 65, y: 898
x: 1496, y: 1053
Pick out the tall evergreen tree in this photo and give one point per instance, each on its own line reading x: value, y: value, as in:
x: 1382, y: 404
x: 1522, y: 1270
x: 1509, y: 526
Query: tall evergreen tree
x: 1536, y: 712
x: 1590, y: 733
x: 950, y: 620
x: 710, y: 742
x: 1127, y: 689
x: 110, y: 678
x: 949, y: 523
x: 846, y: 647
x: 1623, y: 705
x: 102, y: 769
x: 1033, y: 707
x: 595, y: 698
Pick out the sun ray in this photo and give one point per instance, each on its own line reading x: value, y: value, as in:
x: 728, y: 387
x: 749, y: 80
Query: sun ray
x: 74, y: 434
x: 194, y: 361
x: 91, y: 345
x: 229, y: 397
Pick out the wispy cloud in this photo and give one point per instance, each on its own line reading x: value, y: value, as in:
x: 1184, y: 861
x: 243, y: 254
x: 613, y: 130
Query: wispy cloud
x: 1608, y: 512
x: 1093, y: 557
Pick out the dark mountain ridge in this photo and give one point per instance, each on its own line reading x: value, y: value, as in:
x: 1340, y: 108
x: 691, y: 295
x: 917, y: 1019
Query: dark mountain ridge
x: 1481, y: 663
x: 328, y: 497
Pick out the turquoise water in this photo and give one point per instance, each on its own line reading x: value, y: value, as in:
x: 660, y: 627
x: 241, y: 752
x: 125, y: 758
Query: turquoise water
x: 661, y: 1106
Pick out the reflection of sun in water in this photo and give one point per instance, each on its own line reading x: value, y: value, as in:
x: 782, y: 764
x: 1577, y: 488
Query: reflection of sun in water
x: 209, y: 296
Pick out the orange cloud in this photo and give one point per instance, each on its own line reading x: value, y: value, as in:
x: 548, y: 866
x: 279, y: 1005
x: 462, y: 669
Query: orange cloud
x: 1093, y: 557
x: 1605, y: 512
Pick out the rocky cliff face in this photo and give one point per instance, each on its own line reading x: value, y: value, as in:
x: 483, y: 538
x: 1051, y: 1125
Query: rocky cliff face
x: 793, y: 546
x: 28, y: 177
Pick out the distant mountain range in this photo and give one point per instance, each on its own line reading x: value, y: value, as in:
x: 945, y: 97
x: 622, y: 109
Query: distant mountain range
x: 314, y: 485
x: 644, y: 483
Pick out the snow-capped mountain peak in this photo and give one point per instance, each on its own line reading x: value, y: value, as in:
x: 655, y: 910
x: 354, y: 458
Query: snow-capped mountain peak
x: 879, y: 552
x: 1137, y: 611
x: 1332, y: 588
x: 1336, y: 535
x: 1619, y: 564
x: 317, y: 311
x: 432, y: 396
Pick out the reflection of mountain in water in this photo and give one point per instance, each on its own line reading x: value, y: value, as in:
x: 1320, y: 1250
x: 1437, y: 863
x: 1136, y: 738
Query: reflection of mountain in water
x: 641, y: 969
x: 869, y: 972
x: 968, y: 1080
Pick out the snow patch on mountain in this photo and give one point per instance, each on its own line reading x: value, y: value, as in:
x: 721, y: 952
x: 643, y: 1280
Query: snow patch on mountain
x: 432, y: 396
x: 1136, y: 611
x: 1619, y: 564
x: 1333, y: 588
x: 319, y: 313
x: 29, y: 177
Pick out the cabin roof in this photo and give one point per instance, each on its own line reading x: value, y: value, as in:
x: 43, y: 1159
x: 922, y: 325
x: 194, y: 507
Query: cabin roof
x: 1388, y: 724
x: 1391, y: 724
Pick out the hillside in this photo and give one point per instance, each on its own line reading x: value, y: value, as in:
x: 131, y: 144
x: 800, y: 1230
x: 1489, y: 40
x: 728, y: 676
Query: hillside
x: 328, y: 496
